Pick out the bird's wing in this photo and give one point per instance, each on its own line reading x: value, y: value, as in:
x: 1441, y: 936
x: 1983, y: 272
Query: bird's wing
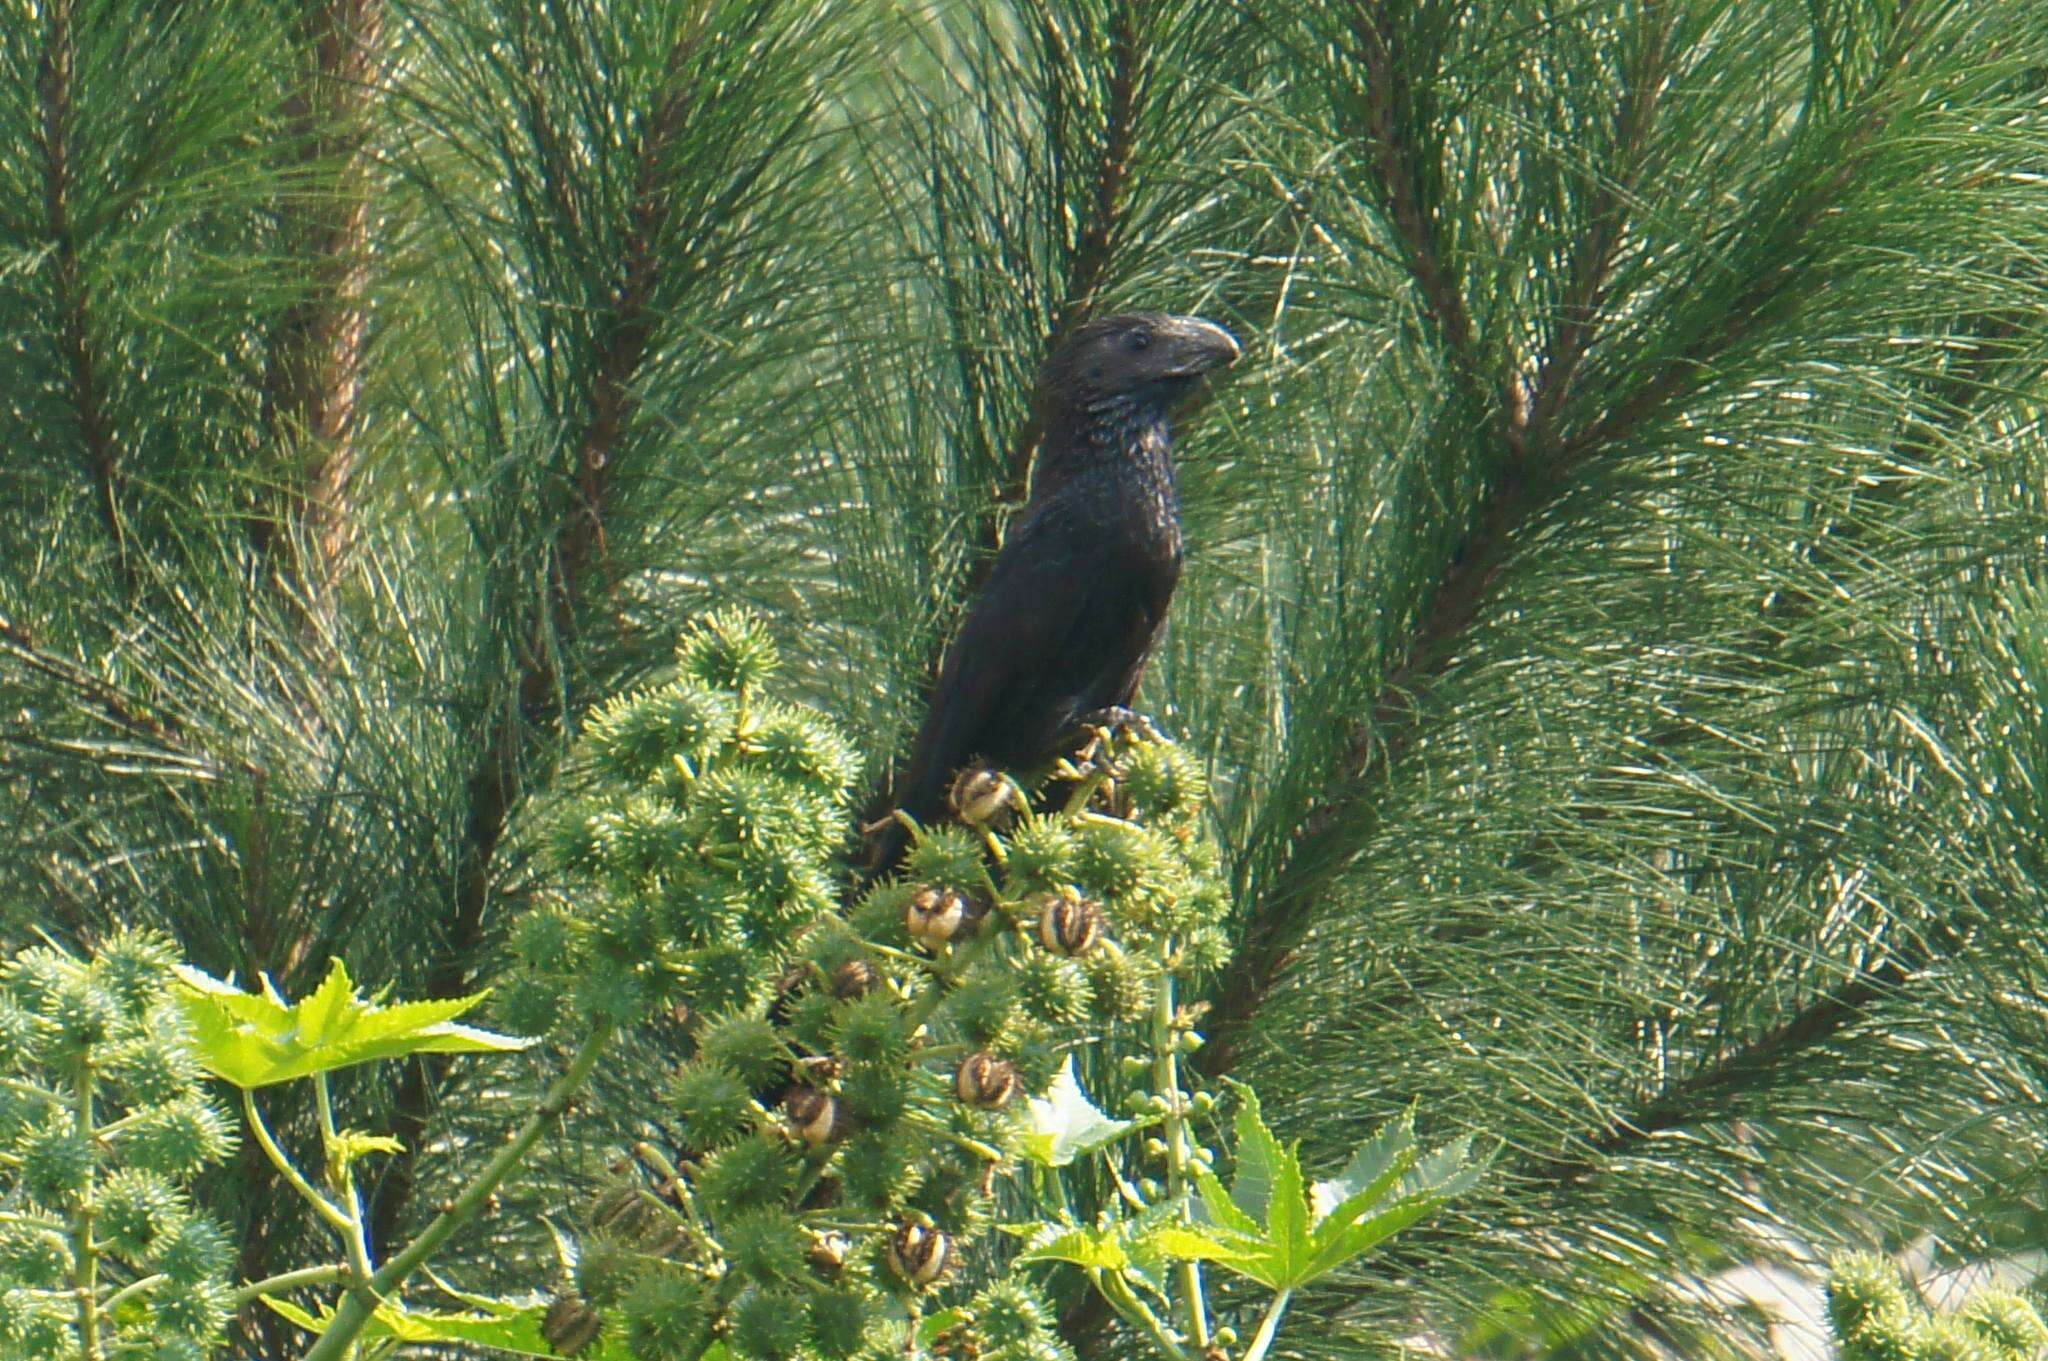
x: 1065, y: 617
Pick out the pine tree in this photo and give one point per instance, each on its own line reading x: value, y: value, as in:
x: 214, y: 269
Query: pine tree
x: 1613, y: 621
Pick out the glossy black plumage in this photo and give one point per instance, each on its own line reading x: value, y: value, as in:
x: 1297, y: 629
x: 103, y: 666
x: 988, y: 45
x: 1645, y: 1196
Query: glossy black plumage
x: 1078, y: 593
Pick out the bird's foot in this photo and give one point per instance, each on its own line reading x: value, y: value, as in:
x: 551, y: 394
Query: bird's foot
x: 1116, y: 720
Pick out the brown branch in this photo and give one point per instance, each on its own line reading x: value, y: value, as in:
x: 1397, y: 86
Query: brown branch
x: 1689, y: 1100
x: 493, y: 788
x: 56, y: 87
x: 1399, y: 168
x: 314, y: 376
x: 1088, y: 265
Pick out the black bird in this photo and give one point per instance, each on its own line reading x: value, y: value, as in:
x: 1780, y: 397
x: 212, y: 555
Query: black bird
x: 1079, y: 592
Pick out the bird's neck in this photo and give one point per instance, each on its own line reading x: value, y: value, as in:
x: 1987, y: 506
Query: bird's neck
x: 1117, y: 437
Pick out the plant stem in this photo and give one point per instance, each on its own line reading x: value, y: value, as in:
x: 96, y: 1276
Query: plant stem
x: 321, y: 1204
x: 85, y: 1257
x: 1166, y: 1078
x: 1126, y: 1302
x: 131, y: 1290
x: 353, y: 1312
x: 341, y: 1179
x: 1268, y: 1325
x: 289, y: 1280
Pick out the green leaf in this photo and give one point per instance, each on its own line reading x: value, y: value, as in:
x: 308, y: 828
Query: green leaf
x: 934, y: 1324
x: 499, y: 1324
x: 1258, y: 1156
x: 1379, y: 1163
x: 257, y: 1039
x: 1094, y: 1249
x: 1065, y: 1124
x: 1222, y: 1209
x: 1191, y: 1245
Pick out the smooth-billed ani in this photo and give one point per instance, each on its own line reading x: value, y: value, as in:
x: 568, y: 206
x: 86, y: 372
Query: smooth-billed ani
x: 1079, y: 591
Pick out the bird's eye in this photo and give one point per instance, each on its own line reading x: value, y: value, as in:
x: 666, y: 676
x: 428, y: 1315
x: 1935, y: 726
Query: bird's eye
x: 1138, y: 341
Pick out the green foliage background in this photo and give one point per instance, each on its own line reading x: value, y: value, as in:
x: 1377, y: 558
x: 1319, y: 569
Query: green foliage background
x: 1612, y: 624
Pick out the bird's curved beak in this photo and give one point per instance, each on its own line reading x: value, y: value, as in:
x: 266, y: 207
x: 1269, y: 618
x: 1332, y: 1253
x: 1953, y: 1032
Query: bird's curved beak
x: 1198, y: 346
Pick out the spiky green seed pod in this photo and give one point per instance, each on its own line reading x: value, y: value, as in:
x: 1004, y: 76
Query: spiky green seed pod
x: 727, y: 979
x: 24, y: 1036
x: 38, y: 1258
x: 33, y: 977
x: 944, y: 855
x: 729, y: 650
x: 985, y: 1005
x: 874, y: 1093
x: 198, y: 1309
x: 571, y: 838
x: 636, y: 738
x: 2008, y: 1322
x: 1132, y: 868
x: 1040, y: 856
x: 745, y: 1045
x: 712, y: 1102
x: 765, y: 1246
x: 666, y: 1315
x: 1163, y: 780
x: 1862, y: 1290
x: 154, y: 1067
x: 82, y: 1016
x: 611, y: 991
x: 769, y: 1325
x: 800, y: 746
x: 842, y: 1320
x: 55, y: 1164
x: 34, y: 1327
x: 136, y: 968
x: 194, y: 1250
x: 1052, y: 990
x: 136, y: 1211
x: 526, y: 1003
x: 640, y: 837
x: 753, y: 1172
x: 877, y: 1171
x: 871, y: 1029
x: 1118, y: 985
x: 545, y: 938
x: 1949, y: 1339
x: 1008, y: 1314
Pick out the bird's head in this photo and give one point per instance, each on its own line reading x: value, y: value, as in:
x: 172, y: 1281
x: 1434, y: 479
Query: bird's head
x: 1145, y: 358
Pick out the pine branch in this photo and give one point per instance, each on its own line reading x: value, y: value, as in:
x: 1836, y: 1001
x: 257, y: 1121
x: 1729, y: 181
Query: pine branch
x: 1088, y: 266
x: 57, y: 89
x: 1531, y: 481
x: 1398, y: 163
x: 575, y: 578
x: 314, y: 376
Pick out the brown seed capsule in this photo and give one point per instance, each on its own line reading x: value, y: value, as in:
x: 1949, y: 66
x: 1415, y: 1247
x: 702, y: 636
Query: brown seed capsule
x: 570, y: 1324
x: 939, y: 915
x: 978, y: 795
x: 854, y: 978
x: 813, y: 1115
x: 1069, y: 926
x: 985, y: 1080
x: 919, y: 1254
